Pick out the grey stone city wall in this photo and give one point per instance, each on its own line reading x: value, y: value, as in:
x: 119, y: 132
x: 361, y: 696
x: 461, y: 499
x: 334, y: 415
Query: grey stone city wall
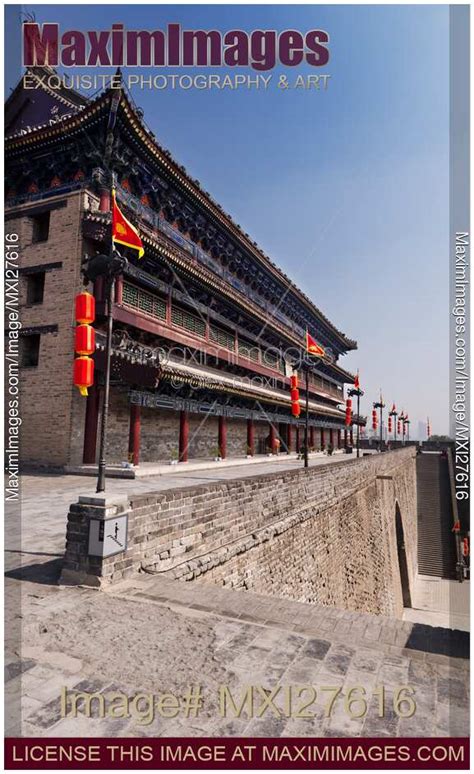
x: 326, y: 535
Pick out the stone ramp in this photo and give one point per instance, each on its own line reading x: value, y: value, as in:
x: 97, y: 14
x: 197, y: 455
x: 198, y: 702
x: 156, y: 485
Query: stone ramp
x: 389, y: 635
x: 159, y: 636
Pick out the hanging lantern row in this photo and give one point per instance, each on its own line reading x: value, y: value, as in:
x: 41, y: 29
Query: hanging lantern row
x: 374, y: 419
x: 348, y: 420
x: 84, y: 342
x: 465, y: 546
x: 399, y: 427
x: 389, y: 424
x: 295, y: 396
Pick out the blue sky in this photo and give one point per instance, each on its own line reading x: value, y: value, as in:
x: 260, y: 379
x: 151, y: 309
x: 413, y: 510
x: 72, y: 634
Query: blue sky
x: 347, y: 189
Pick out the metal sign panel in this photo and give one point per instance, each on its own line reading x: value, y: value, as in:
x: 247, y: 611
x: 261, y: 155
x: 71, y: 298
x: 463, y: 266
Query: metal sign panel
x: 108, y: 536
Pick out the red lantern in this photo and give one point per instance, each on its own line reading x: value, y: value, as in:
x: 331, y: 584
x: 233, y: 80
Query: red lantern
x: 465, y: 546
x: 85, y: 308
x: 295, y: 396
x: 83, y: 374
x: 348, y: 420
x: 390, y: 424
x: 374, y: 419
x: 84, y: 342
x: 399, y: 427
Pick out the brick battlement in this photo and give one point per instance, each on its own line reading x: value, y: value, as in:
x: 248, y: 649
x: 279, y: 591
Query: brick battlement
x: 324, y: 535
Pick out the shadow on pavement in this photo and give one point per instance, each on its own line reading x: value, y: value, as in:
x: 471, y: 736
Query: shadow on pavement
x: 434, y: 639
x: 43, y: 572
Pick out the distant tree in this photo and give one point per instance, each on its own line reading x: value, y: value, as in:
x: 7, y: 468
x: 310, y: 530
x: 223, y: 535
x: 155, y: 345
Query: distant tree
x: 440, y: 438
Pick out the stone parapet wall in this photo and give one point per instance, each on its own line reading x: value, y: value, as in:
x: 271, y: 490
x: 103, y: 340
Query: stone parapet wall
x: 324, y: 535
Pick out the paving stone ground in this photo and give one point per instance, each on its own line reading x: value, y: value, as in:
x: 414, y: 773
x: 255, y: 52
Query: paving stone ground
x: 156, y: 637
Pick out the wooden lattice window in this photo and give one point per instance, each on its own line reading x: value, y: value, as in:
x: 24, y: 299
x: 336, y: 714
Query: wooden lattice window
x: 271, y: 360
x: 184, y: 319
x: 221, y: 337
x: 250, y: 351
x: 145, y: 302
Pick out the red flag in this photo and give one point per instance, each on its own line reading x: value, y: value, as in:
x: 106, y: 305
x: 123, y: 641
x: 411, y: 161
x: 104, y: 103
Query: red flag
x: 122, y: 230
x: 356, y: 381
x: 313, y: 347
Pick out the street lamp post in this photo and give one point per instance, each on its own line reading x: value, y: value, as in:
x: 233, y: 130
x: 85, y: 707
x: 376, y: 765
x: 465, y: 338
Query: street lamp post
x: 394, y: 413
x: 405, y: 425
x: 357, y: 392
x: 105, y: 406
x: 108, y: 267
x: 306, y: 421
x: 380, y: 405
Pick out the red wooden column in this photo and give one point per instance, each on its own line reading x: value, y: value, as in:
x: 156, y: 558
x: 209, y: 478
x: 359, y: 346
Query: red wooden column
x: 338, y: 439
x: 272, y: 438
x: 134, y: 435
x: 297, y: 439
x: 104, y: 201
x: 183, y: 436
x: 119, y: 289
x: 311, y: 437
x: 250, y: 437
x: 222, y: 439
x: 331, y: 438
x: 90, y: 427
x: 289, y: 438
x: 323, y: 444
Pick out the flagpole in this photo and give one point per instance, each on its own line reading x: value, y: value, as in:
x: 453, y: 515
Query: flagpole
x: 358, y: 393
x: 358, y: 425
x: 306, y: 433
x: 381, y: 421
x: 110, y: 285
x: 110, y: 281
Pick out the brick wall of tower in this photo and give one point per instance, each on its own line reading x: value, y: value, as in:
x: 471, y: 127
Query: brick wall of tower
x: 48, y: 402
